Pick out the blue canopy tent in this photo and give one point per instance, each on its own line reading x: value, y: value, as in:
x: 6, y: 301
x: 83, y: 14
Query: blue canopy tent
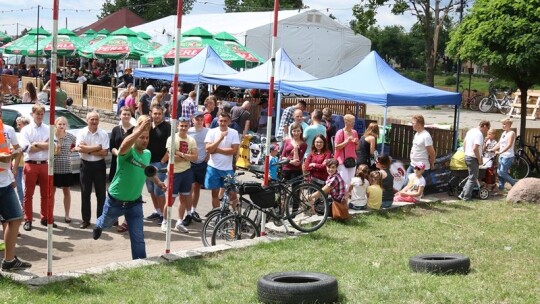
x: 373, y: 81
x: 207, y: 61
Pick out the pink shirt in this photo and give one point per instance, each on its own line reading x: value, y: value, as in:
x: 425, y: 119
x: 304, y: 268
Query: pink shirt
x: 130, y: 101
x: 350, y: 148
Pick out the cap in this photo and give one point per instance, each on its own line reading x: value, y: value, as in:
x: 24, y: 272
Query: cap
x: 198, y: 114
x: 420, y: 166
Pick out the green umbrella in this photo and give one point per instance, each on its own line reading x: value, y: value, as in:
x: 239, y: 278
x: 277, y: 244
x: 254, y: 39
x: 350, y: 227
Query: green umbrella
x: 89, y: 34
x: 104, y: 31
x: 26, y: 45
x: 193, y: 41
x: 4, y: 38
x: 147, y: 37
x: 68, y: 44
x: 121, y: 44
x: 232, y: 43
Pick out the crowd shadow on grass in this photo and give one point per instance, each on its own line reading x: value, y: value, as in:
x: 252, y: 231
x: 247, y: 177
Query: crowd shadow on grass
x: 417, y: 210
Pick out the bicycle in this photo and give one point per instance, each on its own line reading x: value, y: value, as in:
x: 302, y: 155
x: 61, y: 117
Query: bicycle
x: 472, y: 100
x: 281, y: 200
x: 503, y: 105
x: 523, y: 164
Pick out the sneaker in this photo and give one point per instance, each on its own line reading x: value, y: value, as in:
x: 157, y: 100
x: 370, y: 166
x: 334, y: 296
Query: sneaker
x: 16, y: 264
x: 27, y: 226
x: 186, y: 221
x: 153, y: 216
x: 160, y: 220
x: 196, y: 217
x: 180, y: 227
x: 96, y: 233
x: 463, y: 199
x: 164, y: 226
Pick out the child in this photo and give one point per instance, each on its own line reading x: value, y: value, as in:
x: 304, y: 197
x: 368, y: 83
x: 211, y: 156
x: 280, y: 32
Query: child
x: 374, y: 191
x: 274, y: 160
x: 358, y: 188
x: 415, y: 188
x: 335, y: 185
x: 489, y: 162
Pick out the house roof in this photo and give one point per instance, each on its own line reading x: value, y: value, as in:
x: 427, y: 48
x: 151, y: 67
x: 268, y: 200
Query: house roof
x: 114, y: 21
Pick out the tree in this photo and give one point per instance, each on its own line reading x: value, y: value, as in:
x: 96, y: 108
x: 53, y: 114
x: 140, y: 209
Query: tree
x: 431, y: 18
x: 504, y: 34
x: 260, y: 5
x: 149, y: 10
x: 394, y: 44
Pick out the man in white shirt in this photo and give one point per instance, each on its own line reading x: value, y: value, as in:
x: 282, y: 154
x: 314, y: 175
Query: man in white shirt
x: 472, y: 146
x: 298, y: 116
x: 35, y: 144
x: 93, y: 146
x: 221, y: 144
x: 10, y: 209
x: 422, y: 150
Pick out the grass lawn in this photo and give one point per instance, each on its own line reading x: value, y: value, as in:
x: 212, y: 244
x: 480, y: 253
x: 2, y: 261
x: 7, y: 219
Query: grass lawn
x: 369, y: 257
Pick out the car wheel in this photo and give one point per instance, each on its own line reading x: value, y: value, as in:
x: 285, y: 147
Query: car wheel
x: 297, y: 287
x: 440, y: 263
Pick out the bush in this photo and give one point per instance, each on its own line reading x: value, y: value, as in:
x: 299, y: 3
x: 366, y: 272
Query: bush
x: 450, y: 80
x: 418, y: 76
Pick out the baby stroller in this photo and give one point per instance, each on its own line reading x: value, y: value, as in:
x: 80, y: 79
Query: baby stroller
x: 459, y: 179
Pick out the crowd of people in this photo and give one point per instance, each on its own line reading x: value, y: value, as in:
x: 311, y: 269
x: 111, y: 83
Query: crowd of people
x: 344, y: 163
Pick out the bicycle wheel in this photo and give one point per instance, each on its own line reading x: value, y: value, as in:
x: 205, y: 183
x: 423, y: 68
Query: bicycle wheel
x: 210, y: 223
x: 233, y: 228
x: 473, y: 104
x: 299, y: 204
x: 485, y: 104
x: 520, y: 168
x: 505, y: 106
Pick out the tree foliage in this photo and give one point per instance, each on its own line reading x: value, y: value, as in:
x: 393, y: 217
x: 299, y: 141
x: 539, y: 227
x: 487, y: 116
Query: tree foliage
x: 505, y: 35
x: 149, y: 10
x: 432, y: 16
x: 260, y: 5
x: 397, y: 46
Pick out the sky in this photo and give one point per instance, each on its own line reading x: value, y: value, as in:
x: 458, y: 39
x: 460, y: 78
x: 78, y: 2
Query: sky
x: 76, y: 13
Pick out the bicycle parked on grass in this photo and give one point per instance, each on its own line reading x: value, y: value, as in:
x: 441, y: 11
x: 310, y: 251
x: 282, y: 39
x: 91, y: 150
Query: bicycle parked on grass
x: 503, y: 104
x: 280, y: 200
x: 523, y: 164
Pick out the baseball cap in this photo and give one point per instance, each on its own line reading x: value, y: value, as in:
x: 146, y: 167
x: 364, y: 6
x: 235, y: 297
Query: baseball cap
x: 198, y: 114
x: 420, y: 166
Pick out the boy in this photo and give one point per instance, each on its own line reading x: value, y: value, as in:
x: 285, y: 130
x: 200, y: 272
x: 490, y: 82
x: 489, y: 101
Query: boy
x: 415, y: 188
x: 274, y: 160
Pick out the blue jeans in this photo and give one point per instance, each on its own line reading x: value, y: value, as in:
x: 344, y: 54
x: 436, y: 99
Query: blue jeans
x: 10, y: 209
x: 133, y: 213
x: 502, y: 171
x: 151, y: 186
x: 472, y: 181
x: 20, y: 184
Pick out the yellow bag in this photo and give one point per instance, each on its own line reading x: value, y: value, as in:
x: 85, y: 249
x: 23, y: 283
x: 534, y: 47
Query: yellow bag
x: 242, y: 160
x: 457, y: 162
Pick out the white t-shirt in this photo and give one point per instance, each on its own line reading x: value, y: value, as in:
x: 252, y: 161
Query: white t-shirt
x: 416, y: 183
x: 81, y: 79
x: 503, y: 143
x: 419, y: 153
x: 474, y: 137
x: 358, y: 192
x: 217, y: 160
x: 11, y: 139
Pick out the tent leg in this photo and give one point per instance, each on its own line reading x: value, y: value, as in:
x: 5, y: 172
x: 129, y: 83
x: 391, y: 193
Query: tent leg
x: 457, y: 111
x: 198, y: 94
x: 384, y: 129
x: 278, y: 113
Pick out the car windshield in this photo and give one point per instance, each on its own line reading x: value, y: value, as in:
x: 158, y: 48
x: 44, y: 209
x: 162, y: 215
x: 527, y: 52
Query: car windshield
x: 74, y: 122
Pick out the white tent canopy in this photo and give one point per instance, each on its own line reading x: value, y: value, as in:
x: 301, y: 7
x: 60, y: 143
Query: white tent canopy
x: 318, y: 44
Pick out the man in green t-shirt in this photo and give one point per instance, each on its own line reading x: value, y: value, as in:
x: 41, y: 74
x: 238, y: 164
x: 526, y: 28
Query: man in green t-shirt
x: 61, y: 95
x: 124, y: 195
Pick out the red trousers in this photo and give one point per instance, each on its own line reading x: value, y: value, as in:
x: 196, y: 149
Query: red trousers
x: 32, y: 174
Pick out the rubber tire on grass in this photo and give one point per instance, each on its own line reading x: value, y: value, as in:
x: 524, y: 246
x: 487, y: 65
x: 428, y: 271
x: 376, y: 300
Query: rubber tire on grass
x: 440, y: 263
x: 297, y: 287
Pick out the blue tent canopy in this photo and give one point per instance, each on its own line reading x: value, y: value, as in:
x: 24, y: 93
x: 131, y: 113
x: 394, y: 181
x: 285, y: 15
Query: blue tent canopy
x: 259, y: 77
x: 373, y: 81
x: 207, y: 61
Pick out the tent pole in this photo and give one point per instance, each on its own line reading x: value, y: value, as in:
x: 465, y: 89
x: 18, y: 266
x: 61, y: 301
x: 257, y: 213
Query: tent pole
x: 278, y: 112
x: 384, y: 128
x: 198, y: 94
x: 456, y: 128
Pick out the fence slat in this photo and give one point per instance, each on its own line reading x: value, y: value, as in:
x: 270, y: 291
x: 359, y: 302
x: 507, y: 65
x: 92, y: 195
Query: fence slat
x: 73, y: 90
x: 100, y: 97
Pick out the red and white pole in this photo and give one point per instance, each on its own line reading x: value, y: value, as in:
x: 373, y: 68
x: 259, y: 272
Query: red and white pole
x: 270, y: 106
x: 170, y: 175
x: 52, y: 108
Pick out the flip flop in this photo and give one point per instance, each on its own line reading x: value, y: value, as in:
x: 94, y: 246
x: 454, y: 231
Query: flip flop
x: 122, y: 228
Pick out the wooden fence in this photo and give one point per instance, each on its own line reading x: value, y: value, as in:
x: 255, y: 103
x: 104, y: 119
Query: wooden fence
x: 73, y: 90
x: 99, y: 97
x: 9, y: 84
x: 401, y: 137
x: 38, y: 83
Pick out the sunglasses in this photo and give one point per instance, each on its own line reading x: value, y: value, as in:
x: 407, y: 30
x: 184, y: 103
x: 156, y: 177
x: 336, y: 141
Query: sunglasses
x: 416, y: 168
x: 183, y: 119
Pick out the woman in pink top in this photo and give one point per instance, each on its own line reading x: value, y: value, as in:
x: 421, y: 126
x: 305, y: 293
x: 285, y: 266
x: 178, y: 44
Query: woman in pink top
x: 130, y: 100
x: 315, y: 162
x: 346, y: 142
x: 293, y: 149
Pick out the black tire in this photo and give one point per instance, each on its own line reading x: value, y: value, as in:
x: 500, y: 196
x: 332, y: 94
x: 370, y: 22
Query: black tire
x: 212, y: 219
x: 234, y: 228
x: 451, y: 191
x: 473, y: 105
x: 297, y: 287
x: 298, y: 203
x: 440, y: 263
x: 520, y: 168
x: 485, y: 104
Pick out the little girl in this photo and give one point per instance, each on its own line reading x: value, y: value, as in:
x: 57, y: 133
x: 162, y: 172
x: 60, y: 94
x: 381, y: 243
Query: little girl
x: 489, y: 161
x: 415, y: 188
x: 374, y: 191
x: 358, y: 188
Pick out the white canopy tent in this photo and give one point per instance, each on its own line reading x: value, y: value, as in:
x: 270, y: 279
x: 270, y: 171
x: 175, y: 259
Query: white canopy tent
x: 318, y: 44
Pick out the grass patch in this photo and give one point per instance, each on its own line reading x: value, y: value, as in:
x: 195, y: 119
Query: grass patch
x: 369, y: 257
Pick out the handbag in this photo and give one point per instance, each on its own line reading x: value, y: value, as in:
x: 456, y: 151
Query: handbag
x: 340, y: 211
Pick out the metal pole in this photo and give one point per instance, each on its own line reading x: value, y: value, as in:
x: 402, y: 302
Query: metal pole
x: 457, y: 107
x: 37, y: 46
x: 170, y: 199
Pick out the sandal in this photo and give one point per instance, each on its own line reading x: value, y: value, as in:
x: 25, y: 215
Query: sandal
x: 67, y: 219
x: 122, y: 228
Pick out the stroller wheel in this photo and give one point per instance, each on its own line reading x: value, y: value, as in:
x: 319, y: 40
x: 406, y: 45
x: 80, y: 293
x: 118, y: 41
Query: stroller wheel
x: 483, y: 193
x: 451, y: 191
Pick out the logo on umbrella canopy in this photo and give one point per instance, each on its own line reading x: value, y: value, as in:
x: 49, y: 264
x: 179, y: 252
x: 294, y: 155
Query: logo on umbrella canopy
x: 118, y: 45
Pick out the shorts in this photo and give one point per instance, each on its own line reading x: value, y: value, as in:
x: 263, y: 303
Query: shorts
x: 151, y: 186
x: 10, y: 208
x: 63, y: 180
x: 199, y: 172
x: 182, y: 182
x: 213, y: 178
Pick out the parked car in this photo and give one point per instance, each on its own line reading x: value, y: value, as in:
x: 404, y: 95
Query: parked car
x: 11, y: 112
